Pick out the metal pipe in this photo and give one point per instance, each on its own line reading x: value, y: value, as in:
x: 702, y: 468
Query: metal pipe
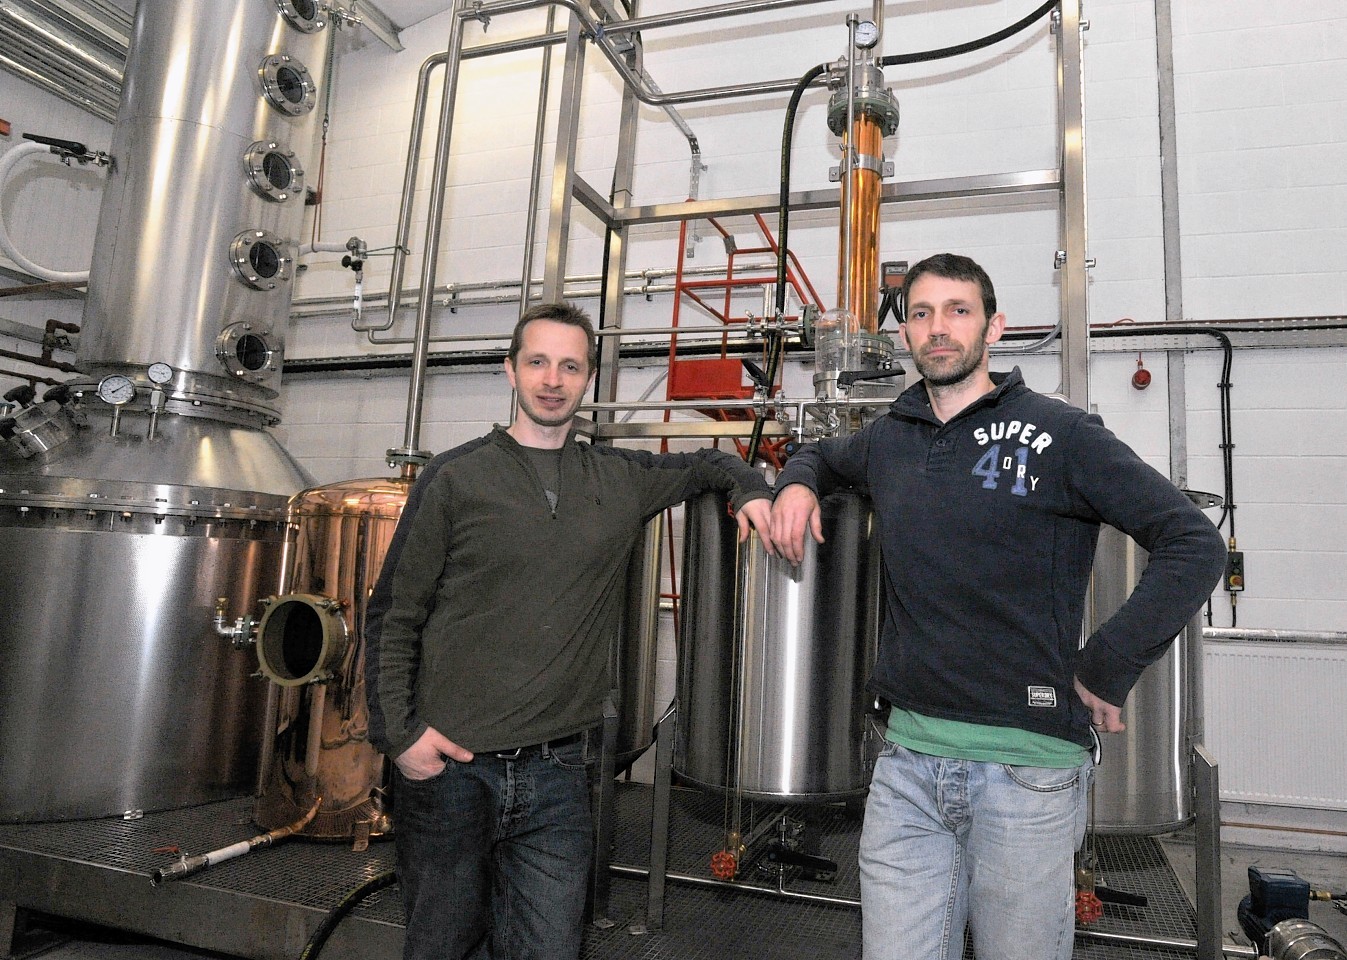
x: 849, y: 155
x: 29, y: 377
x: 430, y: 258
x: 1230, y: 635
x: 38, y: 361
x: 535, y: 173
x: 600, y: 33
x: 190, y: 865
x: 702, y: 13
x: 110, y: 72
x: 623, y: 870
x: 451, y: 291
x: 400, y: 248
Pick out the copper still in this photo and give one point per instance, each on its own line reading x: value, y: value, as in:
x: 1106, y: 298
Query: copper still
x: 310, y: 645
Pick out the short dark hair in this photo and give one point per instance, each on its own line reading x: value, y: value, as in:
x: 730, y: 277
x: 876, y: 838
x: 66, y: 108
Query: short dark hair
x: 952, y: 266
x: 567, y: 313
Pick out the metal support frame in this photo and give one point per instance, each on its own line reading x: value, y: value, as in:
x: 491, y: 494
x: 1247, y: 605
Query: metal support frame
x: 1207, y: 835
x: 601, y: 877
x: 665, y: 731
x: 1072, y: 261
x: 563, y: 169
x: 615, y: 251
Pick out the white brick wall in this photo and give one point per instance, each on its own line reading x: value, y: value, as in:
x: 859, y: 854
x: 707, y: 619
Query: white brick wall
x: 1261, y: 143
x: 1262, y: 139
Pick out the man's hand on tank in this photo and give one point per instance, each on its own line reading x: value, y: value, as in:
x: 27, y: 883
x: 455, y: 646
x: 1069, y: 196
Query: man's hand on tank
x: 757, y: 514
x: 795, y: 510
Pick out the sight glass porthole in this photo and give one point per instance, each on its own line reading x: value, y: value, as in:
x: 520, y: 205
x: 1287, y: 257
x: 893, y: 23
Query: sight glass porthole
x: 246, y: 351
x: 303, y: 15
x: 287, y: 85
x: 273, y: 171
x: 261, y: 259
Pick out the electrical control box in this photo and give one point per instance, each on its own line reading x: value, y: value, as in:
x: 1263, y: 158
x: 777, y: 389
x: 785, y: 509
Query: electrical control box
x: 1234, y: 571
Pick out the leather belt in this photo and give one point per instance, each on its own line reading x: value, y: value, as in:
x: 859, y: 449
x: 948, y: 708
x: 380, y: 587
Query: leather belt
x: 541, y: 748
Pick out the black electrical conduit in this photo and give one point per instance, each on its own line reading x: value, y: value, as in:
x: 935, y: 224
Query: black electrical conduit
x: 774, y: 339
x: 348, y: 903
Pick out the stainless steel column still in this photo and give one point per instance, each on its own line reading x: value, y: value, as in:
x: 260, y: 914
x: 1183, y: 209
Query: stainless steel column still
x: 169, y: 491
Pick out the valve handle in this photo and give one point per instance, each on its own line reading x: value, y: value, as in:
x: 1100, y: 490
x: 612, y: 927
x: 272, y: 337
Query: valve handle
x: 22, y: 394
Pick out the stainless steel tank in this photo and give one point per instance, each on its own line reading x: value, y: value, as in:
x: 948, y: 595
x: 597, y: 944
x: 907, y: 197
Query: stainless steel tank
x: 636, y: 650
x: 311, y: 646
x: 773, y: 659
x: 164, y: 489
x: 1143, y: 785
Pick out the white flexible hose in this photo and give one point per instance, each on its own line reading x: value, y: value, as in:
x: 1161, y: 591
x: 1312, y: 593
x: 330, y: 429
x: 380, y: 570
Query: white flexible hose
x: 7, y: 164
x: 323, y: 246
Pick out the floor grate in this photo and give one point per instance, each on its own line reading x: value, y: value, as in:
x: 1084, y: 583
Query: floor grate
x: 700, y: 922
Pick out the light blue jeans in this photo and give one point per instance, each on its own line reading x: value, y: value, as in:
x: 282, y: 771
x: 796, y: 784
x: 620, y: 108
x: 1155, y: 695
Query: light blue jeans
x: 949, y: 842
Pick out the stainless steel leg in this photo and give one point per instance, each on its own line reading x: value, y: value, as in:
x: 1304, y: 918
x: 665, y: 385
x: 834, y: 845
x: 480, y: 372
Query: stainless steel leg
x: 600, y: 879
x: 9, y: 915
x: 1207, y: 837
x: 659, y: 821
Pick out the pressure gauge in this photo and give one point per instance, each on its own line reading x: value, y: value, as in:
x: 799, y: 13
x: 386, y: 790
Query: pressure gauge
x: 160, y: 373
x: 867, y: 34
x: 116, y: 390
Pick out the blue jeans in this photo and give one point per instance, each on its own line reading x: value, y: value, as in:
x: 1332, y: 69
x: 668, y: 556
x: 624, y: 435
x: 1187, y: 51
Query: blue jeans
x: 494, y: 855
x: 948, y: 842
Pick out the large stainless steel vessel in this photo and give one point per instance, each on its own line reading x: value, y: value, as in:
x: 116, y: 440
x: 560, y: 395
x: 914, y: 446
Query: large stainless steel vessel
x: 773, y: 659
x: 311, y: 646
x: 151, y: 486
x: 636, y: 650
x: 1143, y: 785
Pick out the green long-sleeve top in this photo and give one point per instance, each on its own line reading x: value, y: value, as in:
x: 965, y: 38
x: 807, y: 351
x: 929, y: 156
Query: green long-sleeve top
x: 493, y: 615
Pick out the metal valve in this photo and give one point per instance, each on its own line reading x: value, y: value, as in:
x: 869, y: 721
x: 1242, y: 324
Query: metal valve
x: 242, y: 634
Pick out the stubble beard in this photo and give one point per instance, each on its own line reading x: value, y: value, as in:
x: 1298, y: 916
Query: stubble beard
x: 954, y: 370
x: 543, y: 419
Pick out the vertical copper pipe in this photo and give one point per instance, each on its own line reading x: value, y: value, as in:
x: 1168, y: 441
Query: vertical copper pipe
x: 860, y: 276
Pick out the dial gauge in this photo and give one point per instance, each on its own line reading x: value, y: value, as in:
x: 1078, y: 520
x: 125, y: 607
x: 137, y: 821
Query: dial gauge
x: 867, y: 34
x: 160, y: 373
x: 116, y: 390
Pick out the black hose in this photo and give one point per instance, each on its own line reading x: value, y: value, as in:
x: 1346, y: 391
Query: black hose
x: 962, y: 48
x: 338, y: 913
x: 775, y: 347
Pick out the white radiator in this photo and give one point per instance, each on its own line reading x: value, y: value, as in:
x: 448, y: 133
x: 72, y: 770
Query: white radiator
x: 1276, y: 721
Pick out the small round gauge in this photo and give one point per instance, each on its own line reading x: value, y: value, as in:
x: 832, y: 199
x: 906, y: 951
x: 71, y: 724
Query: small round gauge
x: 116, y: 390
x: 160, y: 373
x: 867, y: 34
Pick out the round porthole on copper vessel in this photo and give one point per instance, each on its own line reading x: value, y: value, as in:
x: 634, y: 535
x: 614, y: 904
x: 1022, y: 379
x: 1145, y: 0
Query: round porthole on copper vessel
x: 246, y: 352
x: 304, y: 15
x: 273, y: 171
x: 261, y: 259
x: 288, y: 85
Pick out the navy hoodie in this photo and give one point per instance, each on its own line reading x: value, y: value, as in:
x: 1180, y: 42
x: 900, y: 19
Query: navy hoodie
x: 988, y: 526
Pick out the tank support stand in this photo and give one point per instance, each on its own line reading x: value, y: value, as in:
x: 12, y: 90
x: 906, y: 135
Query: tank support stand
x: 600, y: 879
x: 1207, y: 840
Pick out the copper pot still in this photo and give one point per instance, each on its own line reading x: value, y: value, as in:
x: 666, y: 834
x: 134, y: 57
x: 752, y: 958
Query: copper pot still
x: 310, y: 645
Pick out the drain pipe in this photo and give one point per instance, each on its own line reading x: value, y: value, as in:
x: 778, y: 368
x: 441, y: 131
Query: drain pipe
x: 190, y: 865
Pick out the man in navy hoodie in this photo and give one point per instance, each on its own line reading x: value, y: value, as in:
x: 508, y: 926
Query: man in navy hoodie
x: 989, y: 498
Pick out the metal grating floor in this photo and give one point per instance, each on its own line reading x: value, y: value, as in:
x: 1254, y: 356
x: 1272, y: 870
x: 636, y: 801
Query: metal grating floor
x: 699, y: 922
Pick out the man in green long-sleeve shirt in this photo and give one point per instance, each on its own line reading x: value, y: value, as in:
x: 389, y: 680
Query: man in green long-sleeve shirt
x: 487, y: 649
